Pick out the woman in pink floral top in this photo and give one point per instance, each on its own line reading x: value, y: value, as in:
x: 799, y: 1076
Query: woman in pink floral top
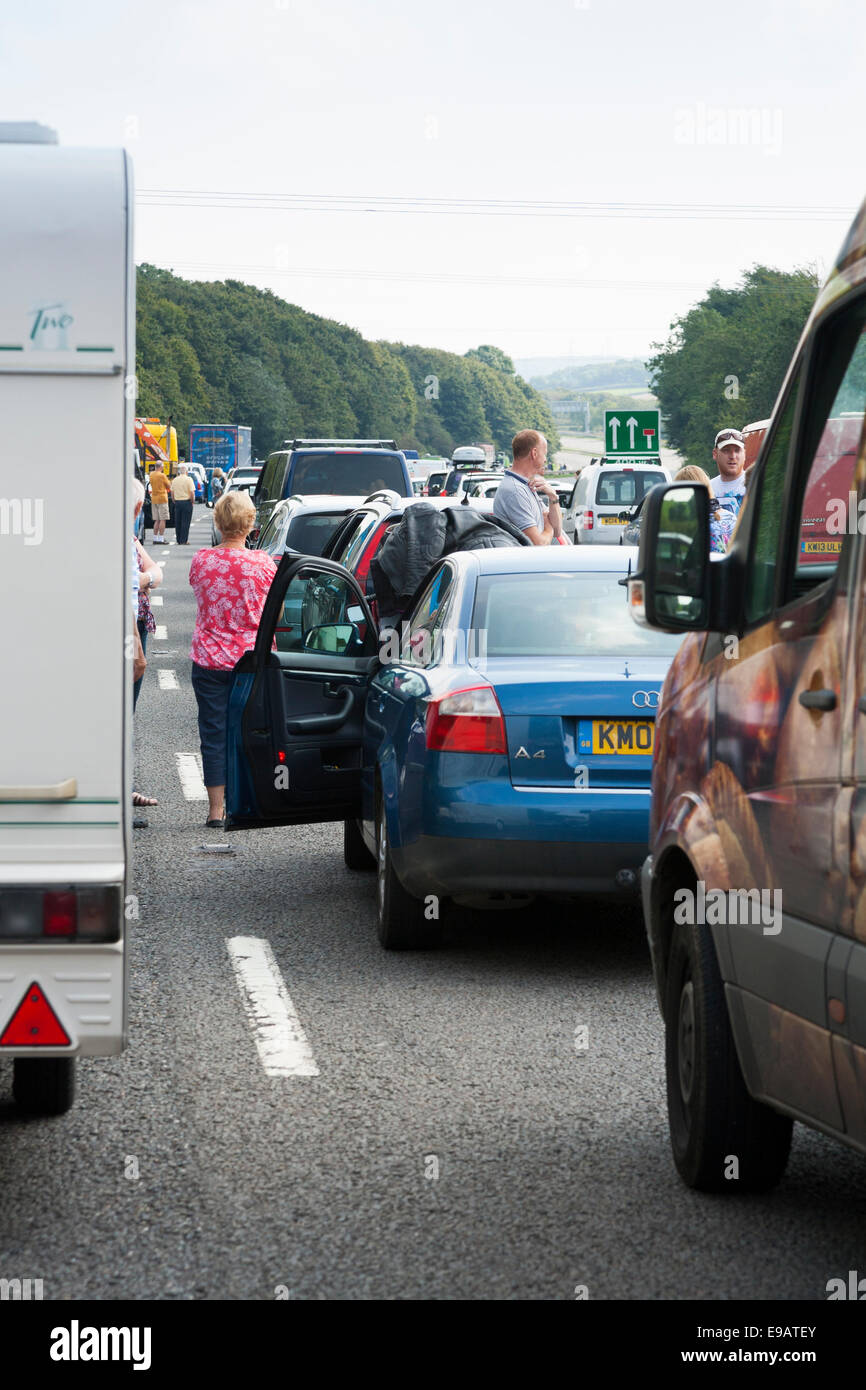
x: 230, y: 584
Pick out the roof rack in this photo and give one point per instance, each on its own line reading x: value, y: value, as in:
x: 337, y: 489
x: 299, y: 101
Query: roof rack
x: 340, y: 443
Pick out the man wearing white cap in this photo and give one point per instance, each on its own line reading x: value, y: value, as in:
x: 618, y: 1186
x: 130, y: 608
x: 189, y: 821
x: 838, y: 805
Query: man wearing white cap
x: 729, y: 456
x: 729, y: 487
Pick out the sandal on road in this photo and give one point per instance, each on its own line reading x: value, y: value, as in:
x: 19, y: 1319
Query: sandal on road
x: 139, y: 800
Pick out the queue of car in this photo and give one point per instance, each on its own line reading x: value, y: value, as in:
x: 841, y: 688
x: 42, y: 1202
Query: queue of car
x: 514, y: 736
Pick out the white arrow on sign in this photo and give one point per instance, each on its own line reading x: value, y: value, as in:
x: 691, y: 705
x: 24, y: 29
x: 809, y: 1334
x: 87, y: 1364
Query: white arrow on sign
x: 614, y: 426
x: 631, y: 426
x: 649, y: 436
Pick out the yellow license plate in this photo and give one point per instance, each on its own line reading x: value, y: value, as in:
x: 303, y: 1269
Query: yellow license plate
x: 821, y: 547
x: 611, y: 521
x: 622, y: 735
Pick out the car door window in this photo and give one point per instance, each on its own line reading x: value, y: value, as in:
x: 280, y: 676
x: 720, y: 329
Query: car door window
x: 424, y: 644
x: 321, y: 613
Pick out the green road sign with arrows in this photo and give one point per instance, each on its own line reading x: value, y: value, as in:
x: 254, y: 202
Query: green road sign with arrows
x: 631, y: 432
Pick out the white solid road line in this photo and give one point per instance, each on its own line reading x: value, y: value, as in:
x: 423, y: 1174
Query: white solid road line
x: 190, y: 773
x: 167, y: 680
x: 161, y: 634
x: 281, y: 1042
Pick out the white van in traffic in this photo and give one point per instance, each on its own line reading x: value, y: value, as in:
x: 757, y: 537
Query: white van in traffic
x: 67, y: 362
x: 605, y: 494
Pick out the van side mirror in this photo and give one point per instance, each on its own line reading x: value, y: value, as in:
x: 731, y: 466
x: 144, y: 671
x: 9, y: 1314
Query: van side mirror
x: 671, y: 586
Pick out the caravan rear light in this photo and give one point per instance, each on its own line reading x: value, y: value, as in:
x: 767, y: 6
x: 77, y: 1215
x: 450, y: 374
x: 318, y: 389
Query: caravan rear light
x: 64, y: 914
x: 99, y: 912
x: 20, y: 915
x: 466, y: 721
x: 588, y: 520
x: 59, y: 914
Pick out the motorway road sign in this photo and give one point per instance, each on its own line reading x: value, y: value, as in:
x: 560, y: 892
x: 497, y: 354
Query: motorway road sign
x: 631, y: 432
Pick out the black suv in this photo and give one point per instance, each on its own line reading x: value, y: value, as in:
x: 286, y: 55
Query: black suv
x: 344, y: 467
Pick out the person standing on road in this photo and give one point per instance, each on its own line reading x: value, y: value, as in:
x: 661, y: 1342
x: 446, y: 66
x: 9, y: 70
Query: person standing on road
x: 149, y: 578
x: 158, y: 502
x: 217, y: 486
x: 183, y: 494
x: 517, y: 497
x: 729, y: 487
x: 230, y: 584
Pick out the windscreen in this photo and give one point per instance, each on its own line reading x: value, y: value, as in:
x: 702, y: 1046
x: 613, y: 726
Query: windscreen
x: 562, y: 615
x: 347, y: 474
x: 310, y: 533
x: 624, y: 489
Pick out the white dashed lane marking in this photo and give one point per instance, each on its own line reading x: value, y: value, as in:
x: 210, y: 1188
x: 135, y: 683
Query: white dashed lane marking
x: 161, y: 634
x: 167, y: 680
x: 281, y: 1041
x: 156, y: 601
x: 190, y: 773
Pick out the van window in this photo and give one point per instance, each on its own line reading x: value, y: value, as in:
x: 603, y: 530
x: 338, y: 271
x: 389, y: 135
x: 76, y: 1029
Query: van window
x: 761, y: 576
x: 832, y: 437
x: 623, y: 489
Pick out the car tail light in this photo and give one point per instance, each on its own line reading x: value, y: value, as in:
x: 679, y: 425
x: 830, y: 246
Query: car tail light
x: 588, y: 521
x: 466, y: 721
x: 60, y: 914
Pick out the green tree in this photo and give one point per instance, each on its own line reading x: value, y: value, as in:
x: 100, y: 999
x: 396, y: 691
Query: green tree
x: 725, y: 360
x: 494, y: 357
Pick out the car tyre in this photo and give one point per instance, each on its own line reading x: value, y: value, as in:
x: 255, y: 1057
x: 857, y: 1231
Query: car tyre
x: 401, y: 923
x: 355, y: 853
x: 713, y: 1119
x: 43, y: 1085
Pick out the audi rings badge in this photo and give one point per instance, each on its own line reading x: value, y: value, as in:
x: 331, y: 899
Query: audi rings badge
x: 645, y: 699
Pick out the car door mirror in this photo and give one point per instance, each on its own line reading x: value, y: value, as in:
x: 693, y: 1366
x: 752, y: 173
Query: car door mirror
x: 671, y: 589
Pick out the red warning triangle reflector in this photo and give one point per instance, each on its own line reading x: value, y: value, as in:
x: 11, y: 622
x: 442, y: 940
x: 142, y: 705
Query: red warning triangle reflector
x: 34, y: 1023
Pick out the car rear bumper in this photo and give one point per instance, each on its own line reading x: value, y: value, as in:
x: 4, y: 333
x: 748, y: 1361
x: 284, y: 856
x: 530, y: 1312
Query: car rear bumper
x: 541, y: 841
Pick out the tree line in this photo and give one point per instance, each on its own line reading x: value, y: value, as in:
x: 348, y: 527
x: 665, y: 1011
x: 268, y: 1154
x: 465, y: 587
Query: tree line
x: 724, y: 361
x: 228, y: 352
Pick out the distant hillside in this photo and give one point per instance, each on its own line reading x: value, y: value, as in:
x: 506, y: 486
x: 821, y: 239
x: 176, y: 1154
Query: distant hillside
x: 598, y: 375
x: 229, y: 351
x: 531, y: 367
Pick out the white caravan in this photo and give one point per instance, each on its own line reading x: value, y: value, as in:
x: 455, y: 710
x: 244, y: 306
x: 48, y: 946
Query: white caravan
x: 67, y: 359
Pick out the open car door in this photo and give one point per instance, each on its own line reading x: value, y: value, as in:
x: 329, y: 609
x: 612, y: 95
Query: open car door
x: 296, y: 706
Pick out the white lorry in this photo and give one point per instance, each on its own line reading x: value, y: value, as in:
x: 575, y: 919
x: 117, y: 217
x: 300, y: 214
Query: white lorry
x: 67, y: 402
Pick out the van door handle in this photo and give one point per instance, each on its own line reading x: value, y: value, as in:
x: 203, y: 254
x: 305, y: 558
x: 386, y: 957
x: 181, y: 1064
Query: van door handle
x: 818, y: 699
x: 61, y: 791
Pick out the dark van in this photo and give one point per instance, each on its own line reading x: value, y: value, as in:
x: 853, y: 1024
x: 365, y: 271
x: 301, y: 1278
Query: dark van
x: 754, y: 891
x: 345, y: 467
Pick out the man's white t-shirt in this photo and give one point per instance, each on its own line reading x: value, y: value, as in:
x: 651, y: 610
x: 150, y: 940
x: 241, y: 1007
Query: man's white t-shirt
x: 723, y: 487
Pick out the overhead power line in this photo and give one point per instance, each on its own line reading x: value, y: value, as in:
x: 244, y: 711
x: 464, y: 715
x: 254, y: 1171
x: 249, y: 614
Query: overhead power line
x: 437, y: 277
x: 487, y: 207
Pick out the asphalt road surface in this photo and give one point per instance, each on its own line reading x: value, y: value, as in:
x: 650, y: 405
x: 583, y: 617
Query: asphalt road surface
x: 462, y: 1138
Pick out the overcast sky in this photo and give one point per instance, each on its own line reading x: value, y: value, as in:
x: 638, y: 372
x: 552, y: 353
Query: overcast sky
x: 494, y: 108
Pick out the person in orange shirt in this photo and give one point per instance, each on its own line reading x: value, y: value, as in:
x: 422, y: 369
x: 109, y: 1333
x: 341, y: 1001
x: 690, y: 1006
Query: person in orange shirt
x: 159, y: 489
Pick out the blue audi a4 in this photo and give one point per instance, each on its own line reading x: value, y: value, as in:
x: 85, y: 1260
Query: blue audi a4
x: 499, y: 742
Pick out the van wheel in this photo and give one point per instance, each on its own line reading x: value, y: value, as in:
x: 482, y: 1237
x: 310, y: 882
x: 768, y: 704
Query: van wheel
x: 355, y: 853
x: 713, y: 1119
x: 401, y: 924
x: 44, y: 1085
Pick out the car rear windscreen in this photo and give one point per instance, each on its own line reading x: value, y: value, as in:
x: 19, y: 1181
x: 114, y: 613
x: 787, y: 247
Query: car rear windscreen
x: 347, y: 474
x: 309, y: 534
x: 562, y: 615
x: 624, y: 489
